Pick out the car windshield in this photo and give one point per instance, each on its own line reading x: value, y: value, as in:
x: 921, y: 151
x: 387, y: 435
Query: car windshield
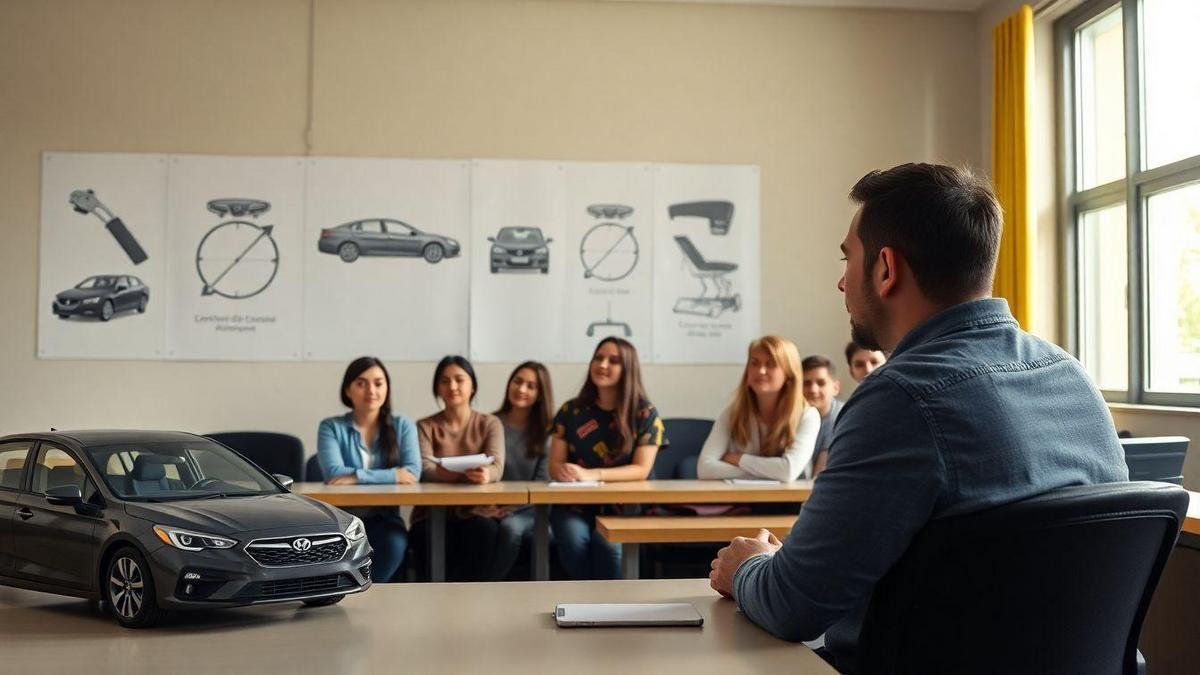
x: 178, y: 470
x: 98, y: 282
x: 520, y: 235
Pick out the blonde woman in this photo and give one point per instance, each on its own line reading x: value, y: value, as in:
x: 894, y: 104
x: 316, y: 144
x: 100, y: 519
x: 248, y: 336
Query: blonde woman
x: 768, y: 431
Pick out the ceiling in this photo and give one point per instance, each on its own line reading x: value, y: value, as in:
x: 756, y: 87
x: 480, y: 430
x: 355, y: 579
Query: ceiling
x: 935, y: 5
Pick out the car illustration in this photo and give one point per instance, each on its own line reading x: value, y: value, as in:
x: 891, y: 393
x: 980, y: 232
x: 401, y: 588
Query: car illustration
x: 520, y: 248
x: 102, y: 295
x: 149, y: 521
x: 385, y: 237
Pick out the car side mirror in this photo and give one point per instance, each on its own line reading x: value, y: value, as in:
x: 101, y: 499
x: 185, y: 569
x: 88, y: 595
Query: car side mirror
x: 122, y: 287
x: 285, y: 481
x: 64, y: 495
x: 492, y: 239
x: 550, y: 240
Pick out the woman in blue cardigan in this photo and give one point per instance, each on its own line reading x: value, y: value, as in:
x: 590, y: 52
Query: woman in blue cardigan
x: 370, y: 445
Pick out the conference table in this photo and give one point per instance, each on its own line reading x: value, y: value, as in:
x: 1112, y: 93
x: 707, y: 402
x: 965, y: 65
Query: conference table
x: 494, y: 628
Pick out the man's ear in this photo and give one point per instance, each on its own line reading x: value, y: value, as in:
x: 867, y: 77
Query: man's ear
x: 887, y: 271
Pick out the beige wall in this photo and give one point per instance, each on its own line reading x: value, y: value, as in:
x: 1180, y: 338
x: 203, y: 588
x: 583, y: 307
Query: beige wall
x: 814, y: 97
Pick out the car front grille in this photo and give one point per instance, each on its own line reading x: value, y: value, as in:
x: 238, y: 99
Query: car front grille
x: 68, y: 303
x: 283, y: 588
x: 291, y: 551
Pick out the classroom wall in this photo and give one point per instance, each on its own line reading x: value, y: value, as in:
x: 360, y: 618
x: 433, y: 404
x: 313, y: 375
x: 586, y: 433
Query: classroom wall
x: 815, y: 97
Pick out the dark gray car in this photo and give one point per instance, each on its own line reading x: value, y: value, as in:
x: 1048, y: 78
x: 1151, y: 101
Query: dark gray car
x: 385, y: 236
x: 102, y: 296
x: 147, y: 521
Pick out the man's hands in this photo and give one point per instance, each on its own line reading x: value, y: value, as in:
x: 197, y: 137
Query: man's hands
x: 728, y: 559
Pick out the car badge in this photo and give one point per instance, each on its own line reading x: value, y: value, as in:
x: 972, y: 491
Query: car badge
x: 301, y: 544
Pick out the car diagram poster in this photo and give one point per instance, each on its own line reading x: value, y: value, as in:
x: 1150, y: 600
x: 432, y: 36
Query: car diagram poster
x: 520, y: 261
x: 706, y: 266
x: 386, y: 259
x: 235, y: 239
x: 101, y: 293
x: 609, y: 254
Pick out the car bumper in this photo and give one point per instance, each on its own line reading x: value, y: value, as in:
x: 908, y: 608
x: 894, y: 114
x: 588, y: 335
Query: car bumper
x: 531, y: 262
x: 233, y: 579
x: 76, y: 308
x: 328, y: 245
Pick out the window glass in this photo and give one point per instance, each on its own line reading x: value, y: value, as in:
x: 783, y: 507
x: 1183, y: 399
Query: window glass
x: 1173, y: 289
x: 56, y: 467
x: 397, y: 227
x: 370, y: 227
x: 1171, y: 73
x: 12, y: 463
x: 1100, y: 103
x: 165, y: 471
x: 1103, y: 290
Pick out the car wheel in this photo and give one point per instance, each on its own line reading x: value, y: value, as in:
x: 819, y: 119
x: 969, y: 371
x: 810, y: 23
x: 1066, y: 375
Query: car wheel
x: 495, y: 269
x: 62, y: 316
x: 129, y: 589
x: 546, y: 270
x: 323, y: 602
x: 106, y: 310
x: 142, y: 305
x: 348, y: 252
x: 433, y: 253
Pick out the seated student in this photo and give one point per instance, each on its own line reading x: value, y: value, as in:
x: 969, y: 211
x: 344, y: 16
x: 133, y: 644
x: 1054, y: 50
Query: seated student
x: 370, y: 445
x: 768, y: 431
x: 460, y: 430
x: 526, y: 415
x: 862, y: 361
x: 821, y: 388
x: 610, y: 432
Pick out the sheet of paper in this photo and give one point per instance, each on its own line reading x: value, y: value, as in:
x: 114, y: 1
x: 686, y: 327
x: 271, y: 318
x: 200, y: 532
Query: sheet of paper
x: 574, y: 483
x: 751, y: 481
x: 461, y: 464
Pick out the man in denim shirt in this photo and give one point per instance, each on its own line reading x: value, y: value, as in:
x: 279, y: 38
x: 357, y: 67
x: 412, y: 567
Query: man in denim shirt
x: 969, y: 412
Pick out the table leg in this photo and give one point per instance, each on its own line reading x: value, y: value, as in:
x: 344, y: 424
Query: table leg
x: 629, y: 561
x: 437, y: 543
x: 541, y: 542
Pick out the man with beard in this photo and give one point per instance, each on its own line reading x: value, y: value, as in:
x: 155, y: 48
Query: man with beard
x: 969, y: 412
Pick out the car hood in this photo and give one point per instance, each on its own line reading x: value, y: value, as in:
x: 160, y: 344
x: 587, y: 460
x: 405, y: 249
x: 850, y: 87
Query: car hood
x: 239, y: 514
x: 82, y: 293
x: 519, y: 246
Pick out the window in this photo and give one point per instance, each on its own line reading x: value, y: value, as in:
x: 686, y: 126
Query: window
x: 1131, y: 174
x: 55, y: 468
x: 12, y: 463
x: 370, y: 227
x: 397, y: 227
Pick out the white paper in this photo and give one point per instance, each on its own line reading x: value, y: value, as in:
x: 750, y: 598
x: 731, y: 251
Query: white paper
x: 465, y: 462
x: 751, y: 481
x: 574, y: 483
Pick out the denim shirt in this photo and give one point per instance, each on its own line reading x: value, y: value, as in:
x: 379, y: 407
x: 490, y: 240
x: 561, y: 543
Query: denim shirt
x: 969, y: 412
x: 339, y: 443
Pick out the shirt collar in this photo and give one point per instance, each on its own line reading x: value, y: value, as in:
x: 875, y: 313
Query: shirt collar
x: 973, y: 313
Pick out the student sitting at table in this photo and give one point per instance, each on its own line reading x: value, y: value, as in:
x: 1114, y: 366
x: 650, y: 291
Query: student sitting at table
x: 821, y: 387
x: 526, y: 415
x: 456, y: 431
x: 862, y: 361
x: 370, y: 445
x: 768, y: 431
x: 610, y: 432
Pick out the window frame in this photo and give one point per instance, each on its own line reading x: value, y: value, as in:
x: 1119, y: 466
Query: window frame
x: 1134, y: 190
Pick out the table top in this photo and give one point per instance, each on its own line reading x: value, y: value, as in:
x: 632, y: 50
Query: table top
x: 670, y: 492
x: 495, y: 628
x: 1191, y: 524
x: 688, y: 529
x: 421, y: 494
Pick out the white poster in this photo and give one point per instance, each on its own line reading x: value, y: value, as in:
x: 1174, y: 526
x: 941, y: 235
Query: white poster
x: 609, y: 249
x: 386, y: 258
x: 706, y: 267
x: 235, y: 241
x: 101, y: 292
x: 518, y: 274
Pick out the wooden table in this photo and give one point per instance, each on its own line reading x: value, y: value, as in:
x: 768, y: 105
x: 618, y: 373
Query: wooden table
x: 494, y: 628
x: 1191, y: 524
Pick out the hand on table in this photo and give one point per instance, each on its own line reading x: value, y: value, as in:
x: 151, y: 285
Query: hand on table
x: 573, y: 472
x: 348, y: 479
x: 731, y: 457
x: 405, y: 477
x: 479, y: 475
x: 728, y: 559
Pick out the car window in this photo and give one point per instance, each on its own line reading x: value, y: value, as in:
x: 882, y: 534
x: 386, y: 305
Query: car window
x: 371, y: 227
x: 12, y: 463
x: 56, y: 467
x: 165, y: 471
x: 397, y: 227
x: 521, y: 235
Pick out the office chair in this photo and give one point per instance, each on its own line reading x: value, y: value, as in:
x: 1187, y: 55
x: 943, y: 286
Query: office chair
x: 1156, y: 458
x: 678, y: 460
x: 1057, y: 583
x: 716, y: 294
x: 312, y: 470
x: 272, y: 452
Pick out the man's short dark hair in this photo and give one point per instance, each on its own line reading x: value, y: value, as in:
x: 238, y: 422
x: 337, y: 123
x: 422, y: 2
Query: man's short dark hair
x: 817, y: 361
x: 945, y: 221
x: 853, y: 348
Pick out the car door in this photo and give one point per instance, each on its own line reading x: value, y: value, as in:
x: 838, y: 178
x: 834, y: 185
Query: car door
x: 14, y: 457
x: 402, y: 239
x: 55, y: 544
x: 120, y: 294
x: 371, y: 237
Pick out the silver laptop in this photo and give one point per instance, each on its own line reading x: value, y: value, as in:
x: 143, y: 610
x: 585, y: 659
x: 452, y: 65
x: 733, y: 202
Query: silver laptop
x: 572, y: 615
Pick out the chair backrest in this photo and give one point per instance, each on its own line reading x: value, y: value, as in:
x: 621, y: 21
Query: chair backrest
x: 1057, y: 583
x: 678, y: 460
x: 689, y: 249
x: 148, y: 477
x: 1156, y: 458
x: 272, y: 452
x: 312, y: 470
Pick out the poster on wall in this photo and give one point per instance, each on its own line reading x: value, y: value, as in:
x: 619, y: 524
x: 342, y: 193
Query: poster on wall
x: 101, y: 291
x: 235, y: 240
x: 609, y: 253
x: 706, y: 266
x: 520, y: 261
x: 386, y: 259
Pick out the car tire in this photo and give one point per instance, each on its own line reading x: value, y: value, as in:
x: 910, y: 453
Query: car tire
x: 61, y: 316
x: 348, y: 252
x: 107, y: 310
x: 546, y: 270
x: 433, y: 253
x: 141, y: 308
x: 129, y: 589
x: 495, y: 269
x: 323, y: 602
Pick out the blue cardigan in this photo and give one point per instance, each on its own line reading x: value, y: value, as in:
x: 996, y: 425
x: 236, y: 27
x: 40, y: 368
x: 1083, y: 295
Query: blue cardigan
x: 338, y: 444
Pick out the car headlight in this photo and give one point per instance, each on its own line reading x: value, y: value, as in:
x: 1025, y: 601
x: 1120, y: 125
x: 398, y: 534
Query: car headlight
x: 90, y: 301
x: 192, y: 541
x: 454, y: 242
x: 542, y: 251
x: 356, y: 530
x: 496, y: 250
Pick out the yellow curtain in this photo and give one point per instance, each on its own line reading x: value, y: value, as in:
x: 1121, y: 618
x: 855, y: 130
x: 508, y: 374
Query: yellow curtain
x: 1012, y: 84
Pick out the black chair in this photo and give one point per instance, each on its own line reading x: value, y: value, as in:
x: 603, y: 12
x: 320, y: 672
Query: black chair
x: 1156, y: 458
x: 1058, y: 583
x: 678, y: 460
x: 312, y: 470
x: 272, y: 452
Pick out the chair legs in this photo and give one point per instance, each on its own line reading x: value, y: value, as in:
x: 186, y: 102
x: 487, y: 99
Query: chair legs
x: 716, y: 296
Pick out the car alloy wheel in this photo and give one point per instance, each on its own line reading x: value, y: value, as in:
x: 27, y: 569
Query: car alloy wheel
x: 129, y: 589
x: 433, y: 253
x: 106, y: 310
x: 142, y: 305
x: 348, y: 252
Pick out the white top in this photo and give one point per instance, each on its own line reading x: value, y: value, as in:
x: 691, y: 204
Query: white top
x: 795, y: 461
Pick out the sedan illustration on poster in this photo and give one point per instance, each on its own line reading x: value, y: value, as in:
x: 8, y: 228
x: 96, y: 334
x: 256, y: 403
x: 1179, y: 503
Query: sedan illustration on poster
x: 385, y: 237
x: 102, y: 296
x: 520, y: 248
